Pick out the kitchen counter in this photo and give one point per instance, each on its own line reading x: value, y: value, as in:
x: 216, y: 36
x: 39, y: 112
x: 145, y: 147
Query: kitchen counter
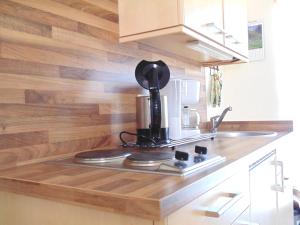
x: 151, y: 196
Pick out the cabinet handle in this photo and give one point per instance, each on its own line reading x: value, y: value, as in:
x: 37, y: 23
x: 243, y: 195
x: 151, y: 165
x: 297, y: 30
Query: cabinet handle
x: 213, y: 25
x: 230, y: 36
x: 279, y: 187
x: 218, y: 211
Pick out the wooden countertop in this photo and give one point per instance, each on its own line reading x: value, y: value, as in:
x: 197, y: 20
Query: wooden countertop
x: 152, y: 196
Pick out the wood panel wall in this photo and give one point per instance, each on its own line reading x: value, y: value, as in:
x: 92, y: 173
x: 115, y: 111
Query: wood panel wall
x: 66, y: 84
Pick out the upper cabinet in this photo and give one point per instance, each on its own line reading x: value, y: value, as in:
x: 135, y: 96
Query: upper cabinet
x: 236, y: 38
x: 205, y: 17
x: 213, y: 32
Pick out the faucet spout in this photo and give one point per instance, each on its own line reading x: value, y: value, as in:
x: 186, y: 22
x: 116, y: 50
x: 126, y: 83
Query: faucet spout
x: 217, y: 120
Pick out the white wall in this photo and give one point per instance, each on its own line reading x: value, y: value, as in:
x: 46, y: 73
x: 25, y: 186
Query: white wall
x: 267, y: 89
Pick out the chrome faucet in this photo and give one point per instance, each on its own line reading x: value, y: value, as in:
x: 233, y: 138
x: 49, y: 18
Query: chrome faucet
x: 216, y: 121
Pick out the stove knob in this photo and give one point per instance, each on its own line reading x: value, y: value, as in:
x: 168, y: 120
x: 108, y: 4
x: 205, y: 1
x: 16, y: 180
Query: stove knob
x: 201, y: 150
x: 181, y: 156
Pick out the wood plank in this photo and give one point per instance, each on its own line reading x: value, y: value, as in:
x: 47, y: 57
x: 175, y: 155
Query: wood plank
x: 77, y: 97
x: 29, y: 68
x: 97, y: 32
x: 38, y: 55
x: 27, y: 13
x: 30, y: 40
x: 30, y: 110
x: 46, y: 83
x: 116, y: 108
x: 88, y: 132
x: 55, y: 48
x: 23, y: 139
x: 104, y: 4
x: 97, y: 10
x: 78, y: 145
x: 96, y: 75
x: 118, y: 58
x: 54, y: 123
x: 14, y: 156
x: 70, y: 13
x: 24, y: 26
x: 91, y: 42
x: 12, y: 96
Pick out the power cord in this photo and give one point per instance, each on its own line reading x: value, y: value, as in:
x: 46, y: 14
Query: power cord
x: 125, y: 144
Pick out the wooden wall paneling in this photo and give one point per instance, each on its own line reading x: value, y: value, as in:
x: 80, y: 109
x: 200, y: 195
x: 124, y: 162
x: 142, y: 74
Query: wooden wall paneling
x: 92, y: 42
x: 45, y: 83
x: 77, y: 97
x: 28, y: 13
x: 23, y: 139
x: 105, y: 4
x: 67, y: 85
x: 12, y: 157
x: 30, y: 68
x: 87, y: 132
x: 70, y: 13
x: 103, y: 9
x: 11, y: 96
x: 25, y: 26
x: 97, y: 32
x: 31, y: 110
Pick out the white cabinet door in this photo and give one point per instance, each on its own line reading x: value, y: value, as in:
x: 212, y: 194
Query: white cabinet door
x: 285, y: 191
x: 262, y: 196
x: 236, y: 25
x: 205, y: 17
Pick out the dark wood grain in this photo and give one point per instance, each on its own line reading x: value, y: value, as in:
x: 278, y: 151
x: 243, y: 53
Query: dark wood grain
x: 67, y: 85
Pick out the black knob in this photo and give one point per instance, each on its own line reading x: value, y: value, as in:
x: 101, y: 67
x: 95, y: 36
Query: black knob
x: 201, y: 150
x: 182, y: 156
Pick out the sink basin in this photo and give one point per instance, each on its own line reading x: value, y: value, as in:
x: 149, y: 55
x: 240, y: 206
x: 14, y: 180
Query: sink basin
x: 233, y: 134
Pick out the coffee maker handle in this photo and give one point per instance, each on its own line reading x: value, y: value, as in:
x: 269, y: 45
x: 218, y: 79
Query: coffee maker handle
x: 155, y: 107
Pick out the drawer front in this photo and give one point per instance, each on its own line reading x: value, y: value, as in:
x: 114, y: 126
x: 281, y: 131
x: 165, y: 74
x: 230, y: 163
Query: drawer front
x: 244, y: 219
x: 221, y: 205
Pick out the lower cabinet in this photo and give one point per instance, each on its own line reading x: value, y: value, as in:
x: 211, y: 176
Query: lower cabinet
x: 262, y: 190
x: 244, y: 219
x: 261, y: 195
x: 285, y: 211
x: 271, y: 196
x: 221, y: 205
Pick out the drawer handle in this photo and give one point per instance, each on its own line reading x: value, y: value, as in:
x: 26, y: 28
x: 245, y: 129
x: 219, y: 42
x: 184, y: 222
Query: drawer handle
x: 278, y: 187
x: 219, y: 210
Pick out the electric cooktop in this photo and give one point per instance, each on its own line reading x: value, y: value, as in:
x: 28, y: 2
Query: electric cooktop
x: 169, y: 162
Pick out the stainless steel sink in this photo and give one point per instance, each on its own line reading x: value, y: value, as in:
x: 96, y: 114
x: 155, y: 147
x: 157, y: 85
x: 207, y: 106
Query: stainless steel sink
x: 233, y: 134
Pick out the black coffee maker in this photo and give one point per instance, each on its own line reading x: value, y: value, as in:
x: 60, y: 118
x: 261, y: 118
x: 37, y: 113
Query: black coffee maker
x: 151, y: 110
